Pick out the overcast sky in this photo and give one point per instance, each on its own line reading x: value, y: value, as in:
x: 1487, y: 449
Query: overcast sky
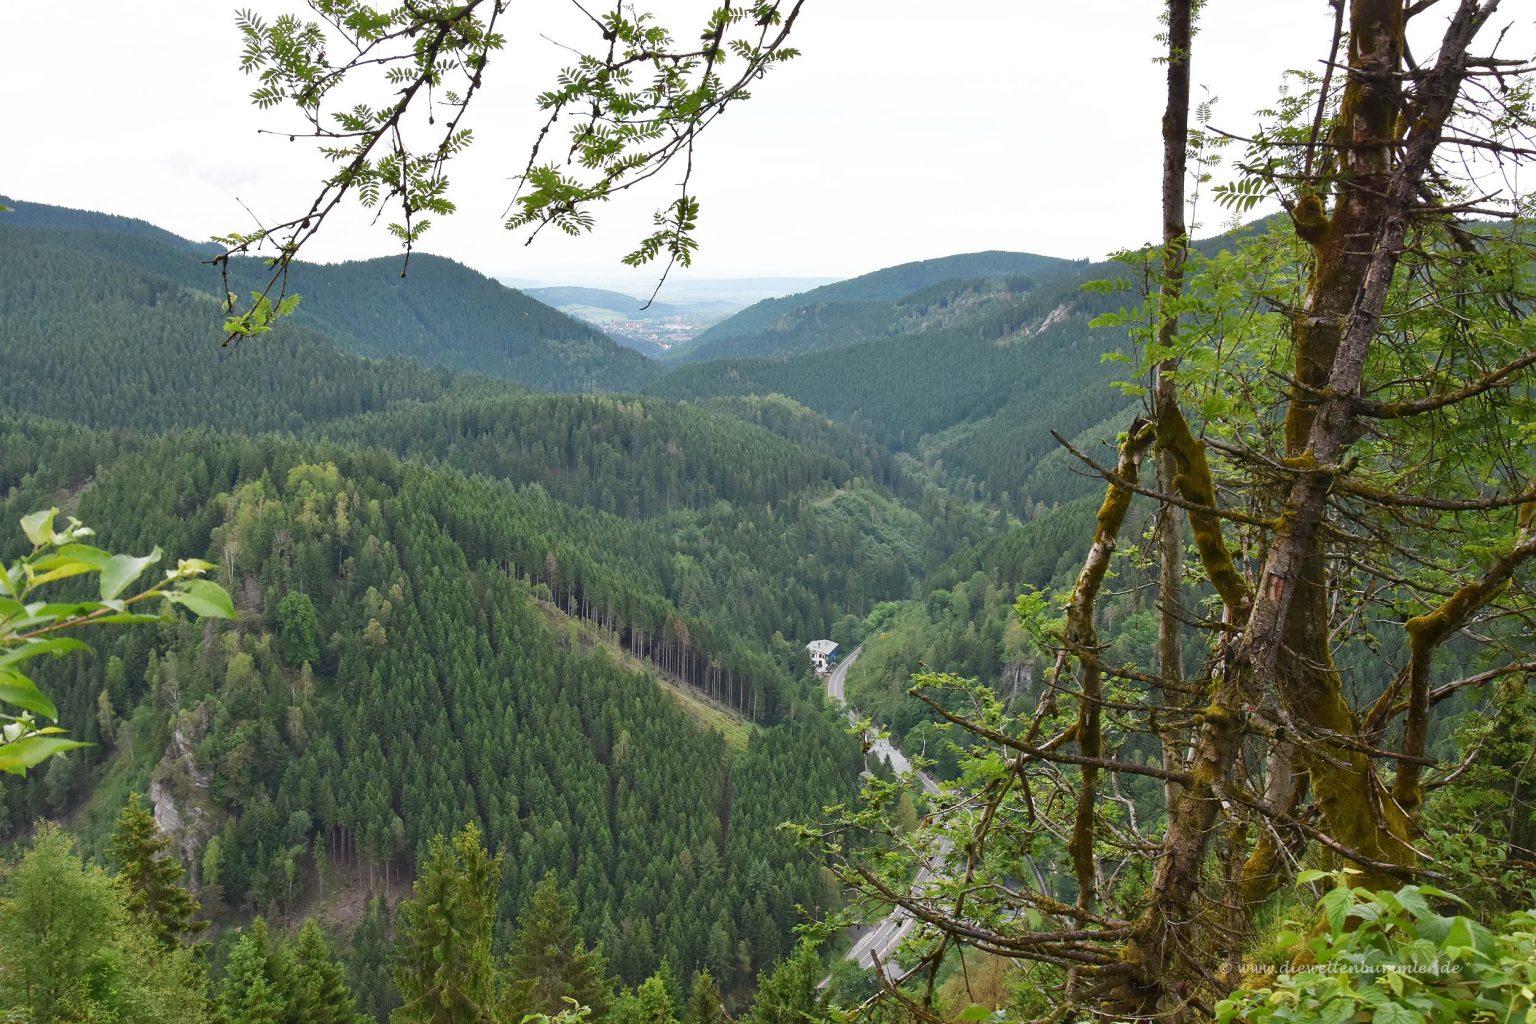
x: 908, y: 129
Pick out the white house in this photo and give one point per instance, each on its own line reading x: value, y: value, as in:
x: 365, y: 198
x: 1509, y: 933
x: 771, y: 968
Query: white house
x: 821, y: 654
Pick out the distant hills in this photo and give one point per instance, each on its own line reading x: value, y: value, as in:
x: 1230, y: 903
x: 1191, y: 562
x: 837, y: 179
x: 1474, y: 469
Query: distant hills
x: 966, y: 363
x: 442, y: 313
x: 968, y: 375
x: 631, y: 307
x: 845, y: 311
x: 628, y: 320
x: 59, y: 218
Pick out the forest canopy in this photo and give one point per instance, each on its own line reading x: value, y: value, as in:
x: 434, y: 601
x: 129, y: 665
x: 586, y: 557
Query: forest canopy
x: 1213, y: 655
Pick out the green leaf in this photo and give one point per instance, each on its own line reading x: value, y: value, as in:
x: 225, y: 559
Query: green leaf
x: 1466, y: 933
x: 1337, y: 1011
x: 122, y: 570
x: 26, y: 753
x: 1441, y: 894
x: 975, y: 1012
x: 85, y: 553
x: 39, y: 526
x: 1336, y: 902
x: 122, y: 617
x: 205, y: 598
x: 32, y: 648
x: 1395, y: 1013
x: 57, y: 567
x: 1310, y: 875
x: 1413, y: 901
x: 17, y: 689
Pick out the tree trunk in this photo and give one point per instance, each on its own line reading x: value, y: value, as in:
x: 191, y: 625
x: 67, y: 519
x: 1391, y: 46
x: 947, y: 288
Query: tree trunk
x: 1284, y: 652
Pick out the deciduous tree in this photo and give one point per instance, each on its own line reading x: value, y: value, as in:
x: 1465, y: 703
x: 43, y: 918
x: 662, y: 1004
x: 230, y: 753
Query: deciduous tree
x: 1336, y: 407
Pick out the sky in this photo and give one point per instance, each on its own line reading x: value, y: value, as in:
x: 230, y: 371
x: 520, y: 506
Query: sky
x: 908, y: 129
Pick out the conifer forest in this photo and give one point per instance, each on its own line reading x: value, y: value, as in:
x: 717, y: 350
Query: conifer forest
x: 992, y: 636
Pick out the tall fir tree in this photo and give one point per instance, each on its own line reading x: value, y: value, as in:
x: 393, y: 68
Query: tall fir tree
x: 443, y: 963
x: 791, y: 994
x: 549, y: 962
x: 705, y: 1005
x: 252, y: 991
x: 368, y: 970
x: 318, y: 990
x: 151, y: 876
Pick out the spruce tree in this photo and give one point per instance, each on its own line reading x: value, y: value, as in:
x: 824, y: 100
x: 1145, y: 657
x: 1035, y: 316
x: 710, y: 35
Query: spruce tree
x: 318, y: 991
x: 150, y: 876
x: 791, y: 994
x: 549, y: 962
x: 369, y: 971
x: 704, y: 1003
x: 251, y: 992
x: 443, y: 963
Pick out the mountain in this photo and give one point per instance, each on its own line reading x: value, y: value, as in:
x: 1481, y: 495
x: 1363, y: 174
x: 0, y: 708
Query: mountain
x: 601, y: 298
x: 446, y: 314
x: 842, y: 312
x: 441, y: 313
x: 91, y: 330
x: 575, y: 619
x: 973, y: 388
x: 648, y: 328
x: 59, y: 218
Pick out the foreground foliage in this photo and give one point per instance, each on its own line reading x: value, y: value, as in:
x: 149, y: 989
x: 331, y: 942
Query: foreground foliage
x: 1398, y: 959
x: 1333, y: 441
x: 30, y: 627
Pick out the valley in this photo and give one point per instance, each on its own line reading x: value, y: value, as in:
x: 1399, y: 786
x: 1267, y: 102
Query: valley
x: 386, y: 642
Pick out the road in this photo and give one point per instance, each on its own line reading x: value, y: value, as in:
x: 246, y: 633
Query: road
x: 883, y: 938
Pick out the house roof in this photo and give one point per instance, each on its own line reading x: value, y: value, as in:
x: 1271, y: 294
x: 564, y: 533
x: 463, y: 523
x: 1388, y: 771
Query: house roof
x: 822, y: 647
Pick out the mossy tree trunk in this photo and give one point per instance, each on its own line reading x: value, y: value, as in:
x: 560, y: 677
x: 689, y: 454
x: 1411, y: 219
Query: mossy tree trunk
x: 1284, y: 648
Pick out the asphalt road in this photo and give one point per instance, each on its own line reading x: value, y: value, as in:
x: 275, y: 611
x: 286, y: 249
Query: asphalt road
x: 883, y: 938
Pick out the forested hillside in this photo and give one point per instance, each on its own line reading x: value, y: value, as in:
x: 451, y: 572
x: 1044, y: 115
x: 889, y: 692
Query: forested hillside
x: 573, y: 620
x: 975, y: 396
x: 441, y: 313
x: 426, y: 657
x: 837, y: 314
x: 391, y: 677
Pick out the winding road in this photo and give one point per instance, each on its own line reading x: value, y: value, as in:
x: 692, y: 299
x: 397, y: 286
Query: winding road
x: 882, y: 939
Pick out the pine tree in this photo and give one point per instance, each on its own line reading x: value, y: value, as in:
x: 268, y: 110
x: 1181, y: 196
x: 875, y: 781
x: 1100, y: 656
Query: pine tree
x: 150, y: 876
x: 653, y: 1002
x: 251, y: 992
x: 704, y: 1003
x: 369, y: 973
x: 549, y: 962
x: 443, y: 963
x: 318, y: 988
x: 791, y: 994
